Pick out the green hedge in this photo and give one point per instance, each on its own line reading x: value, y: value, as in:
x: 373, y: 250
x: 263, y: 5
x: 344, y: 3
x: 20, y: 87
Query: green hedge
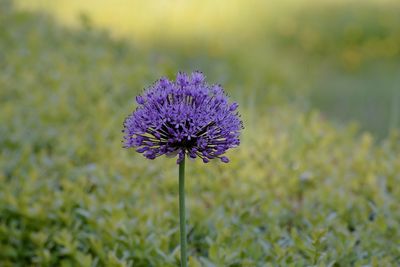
x: 298, y: 191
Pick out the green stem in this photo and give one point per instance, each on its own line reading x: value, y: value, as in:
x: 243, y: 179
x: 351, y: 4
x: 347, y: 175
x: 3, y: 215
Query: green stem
x: 182, y: 219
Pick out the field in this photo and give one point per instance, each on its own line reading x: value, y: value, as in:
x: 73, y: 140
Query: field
x: 314, y: 182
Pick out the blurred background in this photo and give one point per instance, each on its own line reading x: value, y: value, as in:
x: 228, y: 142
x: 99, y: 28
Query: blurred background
x: 314, y: 182
x: 340, y: 57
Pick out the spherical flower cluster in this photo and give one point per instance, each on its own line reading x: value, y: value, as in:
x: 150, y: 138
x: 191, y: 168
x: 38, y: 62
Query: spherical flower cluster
x: 183, y: 117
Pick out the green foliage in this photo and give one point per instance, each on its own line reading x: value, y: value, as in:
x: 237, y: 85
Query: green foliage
x: 352, y: 52
x: 348, y: 32
x: 298, y: 192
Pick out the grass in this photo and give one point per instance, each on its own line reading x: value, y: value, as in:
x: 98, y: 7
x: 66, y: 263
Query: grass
x: 299, y: 191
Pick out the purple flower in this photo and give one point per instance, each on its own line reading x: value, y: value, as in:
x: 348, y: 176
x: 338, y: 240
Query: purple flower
x: 183, y: 117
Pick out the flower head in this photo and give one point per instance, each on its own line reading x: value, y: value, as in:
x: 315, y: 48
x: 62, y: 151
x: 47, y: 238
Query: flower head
x: 183, y: 117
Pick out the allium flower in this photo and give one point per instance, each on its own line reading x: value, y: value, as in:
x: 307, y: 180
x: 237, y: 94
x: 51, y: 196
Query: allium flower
x: 183, y: 117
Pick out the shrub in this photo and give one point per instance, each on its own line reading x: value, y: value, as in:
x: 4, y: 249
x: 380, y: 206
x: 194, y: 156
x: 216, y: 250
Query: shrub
x: 299, y: 191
